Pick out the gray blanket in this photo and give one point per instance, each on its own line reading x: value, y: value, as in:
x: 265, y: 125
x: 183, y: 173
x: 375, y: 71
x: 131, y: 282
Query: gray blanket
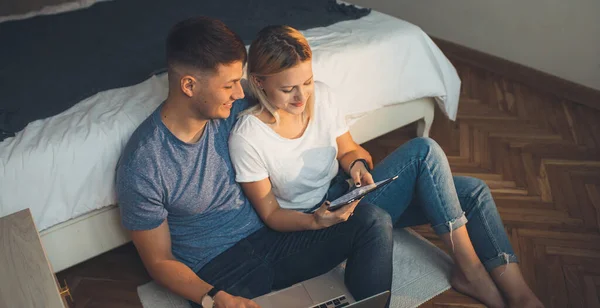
x: 49, y: 63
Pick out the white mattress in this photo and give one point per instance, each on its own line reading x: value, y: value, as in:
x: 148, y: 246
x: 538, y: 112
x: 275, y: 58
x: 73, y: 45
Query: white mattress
x: 64, y: 166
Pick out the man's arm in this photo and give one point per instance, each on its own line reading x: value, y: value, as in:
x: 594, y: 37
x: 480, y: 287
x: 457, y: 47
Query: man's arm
x: 154, y: 248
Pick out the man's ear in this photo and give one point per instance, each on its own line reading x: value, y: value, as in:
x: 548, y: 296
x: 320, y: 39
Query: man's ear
x: 187, y: 84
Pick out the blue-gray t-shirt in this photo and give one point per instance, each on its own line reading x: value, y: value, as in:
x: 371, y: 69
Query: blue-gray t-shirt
x: 191, y: 185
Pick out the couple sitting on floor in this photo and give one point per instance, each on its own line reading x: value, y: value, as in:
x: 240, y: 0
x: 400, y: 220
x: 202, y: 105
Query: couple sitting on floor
x: 216, y: 189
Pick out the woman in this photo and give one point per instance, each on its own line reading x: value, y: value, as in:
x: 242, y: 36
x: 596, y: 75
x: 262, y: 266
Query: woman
x: 288, y: 148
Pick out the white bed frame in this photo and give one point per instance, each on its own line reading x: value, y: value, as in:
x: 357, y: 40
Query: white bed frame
x: 99, y: 231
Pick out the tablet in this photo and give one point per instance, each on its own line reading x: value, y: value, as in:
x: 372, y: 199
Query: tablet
x: 357, y: 193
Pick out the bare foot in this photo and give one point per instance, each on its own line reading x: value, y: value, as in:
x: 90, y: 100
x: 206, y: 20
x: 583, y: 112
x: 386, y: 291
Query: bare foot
x: 529, y: 302
x: 479, y: 285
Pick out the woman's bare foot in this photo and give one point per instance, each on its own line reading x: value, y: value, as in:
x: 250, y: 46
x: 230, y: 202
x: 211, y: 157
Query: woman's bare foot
x: 510, y: 282
x: 478, y: 285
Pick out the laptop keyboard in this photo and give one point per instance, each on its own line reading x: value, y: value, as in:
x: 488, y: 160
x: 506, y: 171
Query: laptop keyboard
x: 334, y: 303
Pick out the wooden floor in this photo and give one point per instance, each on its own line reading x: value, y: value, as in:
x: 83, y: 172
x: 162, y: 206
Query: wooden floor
x: 541, y: 158
x: 540, y: 155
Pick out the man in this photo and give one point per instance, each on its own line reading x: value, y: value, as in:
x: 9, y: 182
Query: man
x: 195, y: 231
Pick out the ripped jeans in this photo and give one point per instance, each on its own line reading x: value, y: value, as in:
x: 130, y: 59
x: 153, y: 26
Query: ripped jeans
x: 426, y: 192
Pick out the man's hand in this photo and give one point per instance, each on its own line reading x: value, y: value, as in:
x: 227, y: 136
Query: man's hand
x: 360, y: 175
x: 325, y: 218
x: 226, y: 300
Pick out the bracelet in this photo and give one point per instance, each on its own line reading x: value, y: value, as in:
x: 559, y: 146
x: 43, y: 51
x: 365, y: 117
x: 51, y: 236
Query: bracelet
x: 364, y: 161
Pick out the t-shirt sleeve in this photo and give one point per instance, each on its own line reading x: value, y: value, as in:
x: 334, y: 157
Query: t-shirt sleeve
x: 338, y: 118
x: 248, y: 165
x: 139, y: 200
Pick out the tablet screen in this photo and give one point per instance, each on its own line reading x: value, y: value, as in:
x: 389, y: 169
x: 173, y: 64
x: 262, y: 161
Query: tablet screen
x: 357, y: 193
x: 352, y: 195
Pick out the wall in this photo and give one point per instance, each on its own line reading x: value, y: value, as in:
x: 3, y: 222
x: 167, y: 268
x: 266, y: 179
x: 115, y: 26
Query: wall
x: 558, y: 37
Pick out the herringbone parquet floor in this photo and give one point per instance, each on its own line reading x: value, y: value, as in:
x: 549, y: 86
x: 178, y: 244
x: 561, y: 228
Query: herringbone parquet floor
x: 541, y: 158
x: 540, y: 155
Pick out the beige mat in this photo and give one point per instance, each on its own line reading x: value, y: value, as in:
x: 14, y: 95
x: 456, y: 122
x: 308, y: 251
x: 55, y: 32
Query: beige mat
x: 421, y: 271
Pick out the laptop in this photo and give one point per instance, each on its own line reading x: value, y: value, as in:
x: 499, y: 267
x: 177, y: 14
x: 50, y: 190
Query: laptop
x: 325, y: 291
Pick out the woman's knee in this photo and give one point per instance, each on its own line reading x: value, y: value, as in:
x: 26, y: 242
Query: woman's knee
x: 476, y: 187
x: 473, y: 192
x: 426, y: 146
x: 373, y: 217
x: 426, y: 143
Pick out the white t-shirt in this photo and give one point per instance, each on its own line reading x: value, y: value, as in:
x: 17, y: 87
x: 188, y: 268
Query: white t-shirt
x: 300, y: 169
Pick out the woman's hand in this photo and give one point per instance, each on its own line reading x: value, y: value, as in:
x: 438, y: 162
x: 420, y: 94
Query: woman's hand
x: 226, y: 300
x: 360, y: 174
x: 325, y: 218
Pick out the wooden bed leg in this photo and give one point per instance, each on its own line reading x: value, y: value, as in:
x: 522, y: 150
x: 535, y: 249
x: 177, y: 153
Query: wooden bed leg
x: 424, y: 125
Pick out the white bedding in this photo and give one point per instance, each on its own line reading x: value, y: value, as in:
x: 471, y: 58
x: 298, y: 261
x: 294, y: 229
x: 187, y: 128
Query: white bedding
x: 63, y: 167
x: 53, y: 9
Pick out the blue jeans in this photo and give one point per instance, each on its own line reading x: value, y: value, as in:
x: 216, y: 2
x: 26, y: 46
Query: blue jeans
x: 426, y: 192
x: 268, y: 260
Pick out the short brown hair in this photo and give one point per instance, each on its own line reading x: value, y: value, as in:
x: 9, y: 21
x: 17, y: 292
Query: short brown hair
x: 203, y: 43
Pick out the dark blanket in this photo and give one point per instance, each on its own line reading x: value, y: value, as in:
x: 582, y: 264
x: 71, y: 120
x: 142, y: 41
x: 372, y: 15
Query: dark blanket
x: 49, y: 63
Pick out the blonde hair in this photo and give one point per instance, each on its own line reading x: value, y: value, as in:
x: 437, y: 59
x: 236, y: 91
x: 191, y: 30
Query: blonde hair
x: 275, y: 49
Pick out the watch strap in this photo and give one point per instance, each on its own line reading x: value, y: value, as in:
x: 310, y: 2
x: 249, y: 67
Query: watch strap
x: 212, y: 292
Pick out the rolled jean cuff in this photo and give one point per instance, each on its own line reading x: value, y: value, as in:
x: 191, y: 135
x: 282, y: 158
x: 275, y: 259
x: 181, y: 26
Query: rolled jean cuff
x: 502, y: 258
x: 451, y: 225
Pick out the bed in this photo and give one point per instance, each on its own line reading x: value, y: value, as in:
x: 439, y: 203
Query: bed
x: 386, y: 73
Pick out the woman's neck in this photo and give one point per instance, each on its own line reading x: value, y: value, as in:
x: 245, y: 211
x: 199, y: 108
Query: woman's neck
x: 289, y: 126
x: 290, y: 119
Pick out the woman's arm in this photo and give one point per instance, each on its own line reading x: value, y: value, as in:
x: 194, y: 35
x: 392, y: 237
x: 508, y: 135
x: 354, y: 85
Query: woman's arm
x: 267, y: 207
x: 348, y: 152
x: 283, y: 220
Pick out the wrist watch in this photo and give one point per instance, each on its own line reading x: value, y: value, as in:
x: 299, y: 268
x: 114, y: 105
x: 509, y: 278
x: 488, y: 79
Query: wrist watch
x: 208, y: 298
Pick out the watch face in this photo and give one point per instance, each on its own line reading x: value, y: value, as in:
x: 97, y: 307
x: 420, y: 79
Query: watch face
x: 207, y: 301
